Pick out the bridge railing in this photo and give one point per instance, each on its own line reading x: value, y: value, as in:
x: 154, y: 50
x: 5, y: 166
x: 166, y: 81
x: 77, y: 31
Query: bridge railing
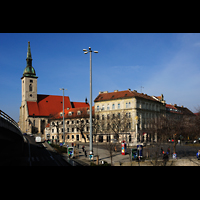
x: 9, y: 119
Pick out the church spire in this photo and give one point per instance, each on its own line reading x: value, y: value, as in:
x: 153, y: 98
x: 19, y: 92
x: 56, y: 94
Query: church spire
x: 29, y: 70
x: 29, y: 58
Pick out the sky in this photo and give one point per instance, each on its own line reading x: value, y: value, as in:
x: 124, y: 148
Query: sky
x: 154, y: 63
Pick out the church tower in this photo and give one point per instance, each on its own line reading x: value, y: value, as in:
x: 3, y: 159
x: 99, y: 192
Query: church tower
x: 29, y: 90
x: 29, y: 79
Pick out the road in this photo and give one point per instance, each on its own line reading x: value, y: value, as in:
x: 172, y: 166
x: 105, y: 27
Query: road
x: 43, y: 156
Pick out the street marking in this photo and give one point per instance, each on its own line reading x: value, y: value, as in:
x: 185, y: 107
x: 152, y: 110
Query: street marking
x: 52, y: 158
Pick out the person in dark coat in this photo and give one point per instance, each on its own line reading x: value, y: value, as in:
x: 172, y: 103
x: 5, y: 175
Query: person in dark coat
x: 85, y: 154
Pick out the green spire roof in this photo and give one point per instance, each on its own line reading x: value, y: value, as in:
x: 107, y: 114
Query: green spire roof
x: 29, y: 71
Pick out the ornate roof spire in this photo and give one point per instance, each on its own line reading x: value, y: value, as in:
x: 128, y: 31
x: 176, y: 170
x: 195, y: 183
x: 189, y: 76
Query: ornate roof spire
x: 29, y: 51
x: 29, y: 71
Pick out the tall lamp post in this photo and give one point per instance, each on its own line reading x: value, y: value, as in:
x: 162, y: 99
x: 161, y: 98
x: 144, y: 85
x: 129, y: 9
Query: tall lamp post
x: 85, y: 52
x: 63, y: 115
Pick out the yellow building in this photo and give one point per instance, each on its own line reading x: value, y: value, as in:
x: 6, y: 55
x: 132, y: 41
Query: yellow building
x: 132, y: 109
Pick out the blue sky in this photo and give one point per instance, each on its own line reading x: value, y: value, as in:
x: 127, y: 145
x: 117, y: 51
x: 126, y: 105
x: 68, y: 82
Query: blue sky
x: 163, y: 63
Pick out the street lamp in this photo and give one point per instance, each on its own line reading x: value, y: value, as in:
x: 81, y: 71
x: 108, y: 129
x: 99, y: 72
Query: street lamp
x: 85, y: 52
x: 63, y: 115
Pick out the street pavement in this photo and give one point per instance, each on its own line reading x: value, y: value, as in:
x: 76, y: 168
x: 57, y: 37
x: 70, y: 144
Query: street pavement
x: 183, y: 152
x: 41, y: 154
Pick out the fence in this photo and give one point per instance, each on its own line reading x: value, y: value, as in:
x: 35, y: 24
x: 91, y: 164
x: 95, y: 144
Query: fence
x: 9, y: 119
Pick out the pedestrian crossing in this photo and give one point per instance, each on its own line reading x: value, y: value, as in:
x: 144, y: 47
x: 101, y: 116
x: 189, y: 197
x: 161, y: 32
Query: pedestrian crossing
x: 41, y: 158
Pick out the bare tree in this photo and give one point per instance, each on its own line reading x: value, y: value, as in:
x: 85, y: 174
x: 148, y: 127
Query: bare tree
x: 116, y: 124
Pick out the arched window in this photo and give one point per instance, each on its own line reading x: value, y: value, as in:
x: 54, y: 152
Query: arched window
x: 30, y: 88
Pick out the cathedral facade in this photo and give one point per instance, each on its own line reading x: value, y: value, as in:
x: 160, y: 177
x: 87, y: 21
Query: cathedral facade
x: 37, y: 110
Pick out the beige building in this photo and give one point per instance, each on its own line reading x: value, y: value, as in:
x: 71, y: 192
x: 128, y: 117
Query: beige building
x: 136, y: 110
x: 77, y: 128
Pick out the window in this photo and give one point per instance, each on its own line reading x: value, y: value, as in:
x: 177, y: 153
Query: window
x: 31, y: 81
x: 72, y: 130
x: 72, y: 136
x: 67, y: 122
x: 77, y: 137
x: 108, y: 107
x: 30, y: 88
x: 68, y: 137
x: 70, y: 113
x: 113, y: 106
x: 102, y: 107
x: 68, y: 131
x: 102, y: 117
x: 61, y: 114
x: 52, y: 130
x: 30, y: 95
x: 118, y: 105
x: 128, y: 104
x: 97, y: 107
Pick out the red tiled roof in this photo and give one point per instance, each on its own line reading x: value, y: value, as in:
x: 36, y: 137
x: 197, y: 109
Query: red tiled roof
x: 84, y: 113
x: 122, y: 95
x: 79, y: 104
x: 170, y: 106
x: 52, y: 105
x: 47, y: 104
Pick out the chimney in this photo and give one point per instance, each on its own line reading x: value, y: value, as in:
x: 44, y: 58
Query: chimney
x: 115, y: 90
x: 175, y: 105
x: 105, y: 92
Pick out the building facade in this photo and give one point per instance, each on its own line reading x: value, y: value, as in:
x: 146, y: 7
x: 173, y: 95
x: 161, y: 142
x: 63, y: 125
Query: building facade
x: 77, y: 127
x: 133, y: 108
x: 37, y: 110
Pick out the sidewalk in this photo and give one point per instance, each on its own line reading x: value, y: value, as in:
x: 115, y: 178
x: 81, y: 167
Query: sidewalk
x: 103, y: 156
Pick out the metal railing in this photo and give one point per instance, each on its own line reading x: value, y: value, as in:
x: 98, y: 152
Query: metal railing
x: 9, y: 119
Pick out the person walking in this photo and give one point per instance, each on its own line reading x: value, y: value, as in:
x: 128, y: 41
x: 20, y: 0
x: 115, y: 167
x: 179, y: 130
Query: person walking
x: 85, y: 154
x: 161, y: 151
x: 198, y: 154
x: 168, y: 150
x: 83, y: 148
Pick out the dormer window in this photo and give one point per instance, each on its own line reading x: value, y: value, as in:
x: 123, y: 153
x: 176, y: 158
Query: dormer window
x: 70, y: 113
x: 79, y: 112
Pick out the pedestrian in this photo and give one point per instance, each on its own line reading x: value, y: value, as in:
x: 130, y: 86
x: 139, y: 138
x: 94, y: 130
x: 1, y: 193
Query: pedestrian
x: 115, y: 149
x: 83, y: 148
x: 168, y: 150
x: 161, y: 151
x: 198, y: 155
x: 85, y: 154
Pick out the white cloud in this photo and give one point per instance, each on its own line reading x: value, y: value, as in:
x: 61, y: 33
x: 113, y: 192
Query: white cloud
x: 178, y: 79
